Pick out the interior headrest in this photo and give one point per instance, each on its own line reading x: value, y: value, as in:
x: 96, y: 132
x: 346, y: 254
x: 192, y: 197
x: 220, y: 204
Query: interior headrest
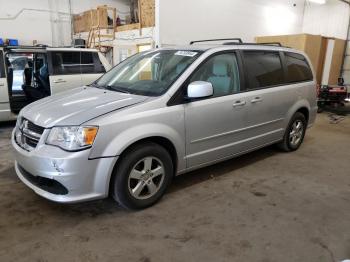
x: 220, y: 69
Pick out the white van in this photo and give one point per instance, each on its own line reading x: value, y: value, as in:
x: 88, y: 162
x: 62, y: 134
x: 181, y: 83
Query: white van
x: 31, y: 73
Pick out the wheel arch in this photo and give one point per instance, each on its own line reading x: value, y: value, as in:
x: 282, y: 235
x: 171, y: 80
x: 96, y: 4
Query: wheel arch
x: 159, y: 140
x: 305, y: 111
x: 302, y: 106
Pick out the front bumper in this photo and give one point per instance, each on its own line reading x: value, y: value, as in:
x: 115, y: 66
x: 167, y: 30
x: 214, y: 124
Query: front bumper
x: 71, y: 176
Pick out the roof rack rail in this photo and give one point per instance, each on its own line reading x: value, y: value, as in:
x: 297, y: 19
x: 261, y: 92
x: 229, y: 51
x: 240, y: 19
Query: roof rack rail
x: 239, y: 40
x: 266, y: 44
x: 271, y: 43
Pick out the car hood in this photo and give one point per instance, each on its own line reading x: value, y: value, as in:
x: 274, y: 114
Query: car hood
x: 77, y: 106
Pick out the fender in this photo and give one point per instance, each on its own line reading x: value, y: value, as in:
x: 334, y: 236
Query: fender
x: 133, y: 134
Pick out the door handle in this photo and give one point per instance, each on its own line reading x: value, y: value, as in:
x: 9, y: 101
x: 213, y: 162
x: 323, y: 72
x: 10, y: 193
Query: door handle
x: 59, y: 81
x: 1, y: 84
x: 238, y: 103
x: 256, y: 100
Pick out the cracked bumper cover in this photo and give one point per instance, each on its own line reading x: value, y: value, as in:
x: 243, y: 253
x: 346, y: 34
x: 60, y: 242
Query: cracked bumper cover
x: 84, y: 179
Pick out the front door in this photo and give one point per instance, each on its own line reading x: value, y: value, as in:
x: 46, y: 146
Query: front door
x: 5, y: 111
x: 214, y: 126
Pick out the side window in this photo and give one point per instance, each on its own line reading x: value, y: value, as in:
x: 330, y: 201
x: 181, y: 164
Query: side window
x: 65, y: 63
x: 2, y: 65
x: 99, y: 68
x: 87, y: 63
x: 298, y: 69
x: 222, y: 72
x: 264, y: 69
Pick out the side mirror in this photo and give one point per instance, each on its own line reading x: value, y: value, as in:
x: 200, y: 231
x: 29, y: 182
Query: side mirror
x: 199, y: 89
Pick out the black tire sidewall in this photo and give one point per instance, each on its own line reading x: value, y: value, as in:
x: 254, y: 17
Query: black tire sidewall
x: 121, y: 175
x: 297, y: 116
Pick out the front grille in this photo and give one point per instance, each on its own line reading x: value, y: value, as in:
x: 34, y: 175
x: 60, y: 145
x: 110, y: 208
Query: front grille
x: 28, y: 134
x: 49, y: 185
x: 35, y: 128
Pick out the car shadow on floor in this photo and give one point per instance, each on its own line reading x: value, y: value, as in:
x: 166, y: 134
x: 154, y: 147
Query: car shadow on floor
x: 95, y: 208
x: 222, y: 168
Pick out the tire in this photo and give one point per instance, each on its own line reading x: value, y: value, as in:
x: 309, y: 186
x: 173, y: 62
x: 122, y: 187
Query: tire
x: 289, y: 143
x: 142, y: 176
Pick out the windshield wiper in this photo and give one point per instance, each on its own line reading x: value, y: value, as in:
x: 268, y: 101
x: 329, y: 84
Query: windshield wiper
x: 110, y: 87
x: 116, y: 88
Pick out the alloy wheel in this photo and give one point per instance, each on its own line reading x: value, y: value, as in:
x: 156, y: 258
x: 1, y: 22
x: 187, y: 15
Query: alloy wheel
x: 146, y: 178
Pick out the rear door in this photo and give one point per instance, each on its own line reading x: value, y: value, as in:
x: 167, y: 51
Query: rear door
x: 91, y: 67
x: 5, y: 111
x: 268, y: 96
x: 64, y: 70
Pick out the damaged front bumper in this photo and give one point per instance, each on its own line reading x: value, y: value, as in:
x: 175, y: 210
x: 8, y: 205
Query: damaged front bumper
x: 63, y: 176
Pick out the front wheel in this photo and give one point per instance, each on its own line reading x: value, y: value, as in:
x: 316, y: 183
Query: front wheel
x: 294, y: 134
x: 142, y: 175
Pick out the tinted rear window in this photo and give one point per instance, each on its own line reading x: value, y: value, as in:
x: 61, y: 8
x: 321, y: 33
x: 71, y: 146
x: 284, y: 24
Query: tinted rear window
x: 87, y: 63
x: 264, y: 69
x: 66, y: 63
x: 298, y: 69
x: 2, y: 65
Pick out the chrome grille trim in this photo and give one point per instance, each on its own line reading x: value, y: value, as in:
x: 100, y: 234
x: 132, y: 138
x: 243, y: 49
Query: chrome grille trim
x: 28, y: 134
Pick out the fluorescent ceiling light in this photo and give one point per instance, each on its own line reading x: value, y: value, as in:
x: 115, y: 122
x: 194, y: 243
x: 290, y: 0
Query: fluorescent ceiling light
x: 320, y: 2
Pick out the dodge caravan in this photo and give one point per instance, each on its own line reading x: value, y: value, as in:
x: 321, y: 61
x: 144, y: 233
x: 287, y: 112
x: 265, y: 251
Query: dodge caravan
x: 162, y: 113
x: 31, y: 73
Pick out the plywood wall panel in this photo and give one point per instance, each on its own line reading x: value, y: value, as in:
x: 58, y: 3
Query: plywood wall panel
x: 147, y: 13
x: 337, y: 59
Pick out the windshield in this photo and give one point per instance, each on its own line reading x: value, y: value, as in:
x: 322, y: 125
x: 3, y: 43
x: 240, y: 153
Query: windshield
x: 148, y: 73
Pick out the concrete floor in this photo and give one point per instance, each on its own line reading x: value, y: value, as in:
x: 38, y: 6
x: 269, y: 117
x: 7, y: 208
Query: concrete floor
x: 265, y: 206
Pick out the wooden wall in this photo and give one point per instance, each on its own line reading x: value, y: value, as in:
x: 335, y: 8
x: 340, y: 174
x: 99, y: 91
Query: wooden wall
x: 147, y: 13
x: 337, y: 60
x: 83, y: 22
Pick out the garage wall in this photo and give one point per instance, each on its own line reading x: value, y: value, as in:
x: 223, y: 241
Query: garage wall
x: 182, y: 20
x: 47, y: 21
x: 17, y: 21
x: 330, y: 19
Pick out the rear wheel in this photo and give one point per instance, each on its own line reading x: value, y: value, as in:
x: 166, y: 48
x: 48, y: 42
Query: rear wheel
x: 142, y: 176
x: 294, y: 134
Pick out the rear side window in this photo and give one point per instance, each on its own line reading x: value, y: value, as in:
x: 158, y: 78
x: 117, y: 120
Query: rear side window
x: 87, y: 63
x: 298, y: 69
x: 2, y: 65
x: 65, y: 63
x: 263, y: 68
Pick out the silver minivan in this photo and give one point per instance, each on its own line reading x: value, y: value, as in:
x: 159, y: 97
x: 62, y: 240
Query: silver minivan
x: 162, y: 113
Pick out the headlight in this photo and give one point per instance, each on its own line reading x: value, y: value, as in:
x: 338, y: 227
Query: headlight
x: 72, y: 138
